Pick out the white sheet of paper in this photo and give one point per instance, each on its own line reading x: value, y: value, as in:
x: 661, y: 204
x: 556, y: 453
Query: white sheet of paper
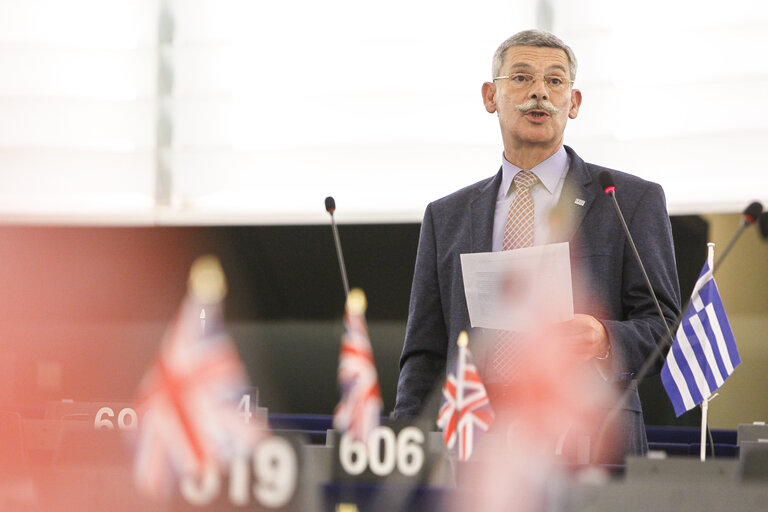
x: 520, y: 289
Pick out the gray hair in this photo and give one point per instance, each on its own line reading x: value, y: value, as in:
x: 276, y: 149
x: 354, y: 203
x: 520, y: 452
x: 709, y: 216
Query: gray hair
x: 538, y: 38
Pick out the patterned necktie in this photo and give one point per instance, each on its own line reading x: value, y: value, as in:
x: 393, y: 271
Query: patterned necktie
x: 518, y: 232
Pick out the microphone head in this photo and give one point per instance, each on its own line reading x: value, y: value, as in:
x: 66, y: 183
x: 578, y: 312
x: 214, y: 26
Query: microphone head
x: 606, y: 181
x: 763, y: 225
x: 752, y: 213
x: 330, y: 204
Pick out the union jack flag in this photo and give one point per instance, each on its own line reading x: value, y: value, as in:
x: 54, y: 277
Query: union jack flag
x: 466, y: 405
x: 359, y: 409
x: 188, y: 401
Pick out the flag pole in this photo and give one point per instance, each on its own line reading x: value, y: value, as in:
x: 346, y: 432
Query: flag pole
x: 704, y: 409
x: 462, y: 343
x: 705, y: 402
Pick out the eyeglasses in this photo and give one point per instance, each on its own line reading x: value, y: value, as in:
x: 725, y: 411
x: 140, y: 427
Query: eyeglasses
x: 523, y: 80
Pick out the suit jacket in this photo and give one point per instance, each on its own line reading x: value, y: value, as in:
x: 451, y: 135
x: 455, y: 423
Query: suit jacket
x: 608, y: 283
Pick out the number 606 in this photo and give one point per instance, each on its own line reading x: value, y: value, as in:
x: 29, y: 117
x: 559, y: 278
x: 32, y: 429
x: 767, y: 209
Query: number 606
x: 383, y: 452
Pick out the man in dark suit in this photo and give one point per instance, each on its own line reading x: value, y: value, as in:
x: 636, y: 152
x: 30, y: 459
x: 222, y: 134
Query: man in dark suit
x: 615, y: 322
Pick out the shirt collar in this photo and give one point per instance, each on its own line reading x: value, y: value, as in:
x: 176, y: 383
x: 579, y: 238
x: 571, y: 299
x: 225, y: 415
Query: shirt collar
x: 549, y: 171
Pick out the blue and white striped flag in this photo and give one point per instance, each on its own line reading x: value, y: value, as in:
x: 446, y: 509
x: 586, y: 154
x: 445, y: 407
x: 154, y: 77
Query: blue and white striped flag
x: 704, y: 352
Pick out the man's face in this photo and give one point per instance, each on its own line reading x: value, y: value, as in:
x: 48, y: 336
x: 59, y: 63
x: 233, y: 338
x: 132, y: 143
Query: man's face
x: 525, y: 127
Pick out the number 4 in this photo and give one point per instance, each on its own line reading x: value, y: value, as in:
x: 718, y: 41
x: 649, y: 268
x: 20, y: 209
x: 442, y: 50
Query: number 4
x: 244, y: 408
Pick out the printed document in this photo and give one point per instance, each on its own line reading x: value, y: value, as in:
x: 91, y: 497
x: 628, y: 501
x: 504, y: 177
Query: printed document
x: 518, y: 290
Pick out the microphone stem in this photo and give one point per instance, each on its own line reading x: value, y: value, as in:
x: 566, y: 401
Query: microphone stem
x: 733, y: 241
x: 642, y: 268
x: 658, y: 349
x: 342, y: 267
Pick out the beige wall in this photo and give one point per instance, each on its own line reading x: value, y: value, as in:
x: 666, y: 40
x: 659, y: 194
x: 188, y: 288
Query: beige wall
x: 743, y: 284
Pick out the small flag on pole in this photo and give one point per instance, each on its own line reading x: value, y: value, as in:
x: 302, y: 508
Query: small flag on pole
x: 703, y: 354
x: 359, y: 409
x: 188, y: 399
x: 466, y: 405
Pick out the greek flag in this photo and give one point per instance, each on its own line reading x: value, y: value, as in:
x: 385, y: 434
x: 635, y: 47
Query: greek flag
x: 704, y: 352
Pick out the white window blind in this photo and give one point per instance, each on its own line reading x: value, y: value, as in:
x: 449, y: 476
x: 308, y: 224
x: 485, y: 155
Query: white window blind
x: 77, y: 110
x: 279, y: 104
x: 676, y: 92
x: 241, y: 111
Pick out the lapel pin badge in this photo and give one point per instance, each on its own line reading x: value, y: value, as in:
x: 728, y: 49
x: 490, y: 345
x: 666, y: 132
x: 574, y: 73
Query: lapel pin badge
x: 579, y: 202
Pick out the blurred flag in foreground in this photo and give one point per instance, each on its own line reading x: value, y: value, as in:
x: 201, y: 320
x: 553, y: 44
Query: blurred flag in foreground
x: 188, y: 399
x: 466, y: 405
x: 360, y: 405
x: 704, y: 352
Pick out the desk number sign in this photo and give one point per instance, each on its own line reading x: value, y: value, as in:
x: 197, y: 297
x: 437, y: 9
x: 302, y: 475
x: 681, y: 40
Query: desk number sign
x: 395, y: 452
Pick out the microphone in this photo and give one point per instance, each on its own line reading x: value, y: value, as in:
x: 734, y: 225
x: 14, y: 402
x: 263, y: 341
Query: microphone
x: 748, y: 217
x: 752, y: 213
x: 330, y: 207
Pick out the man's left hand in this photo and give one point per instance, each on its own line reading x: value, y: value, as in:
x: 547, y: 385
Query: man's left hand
x: 586, y: 336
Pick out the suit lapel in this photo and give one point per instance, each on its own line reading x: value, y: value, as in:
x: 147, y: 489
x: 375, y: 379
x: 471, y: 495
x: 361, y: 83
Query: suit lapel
x: 481, y: 211
x: 575, y: 200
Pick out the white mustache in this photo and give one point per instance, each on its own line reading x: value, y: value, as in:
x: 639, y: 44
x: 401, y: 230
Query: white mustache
x: 533, y: 104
